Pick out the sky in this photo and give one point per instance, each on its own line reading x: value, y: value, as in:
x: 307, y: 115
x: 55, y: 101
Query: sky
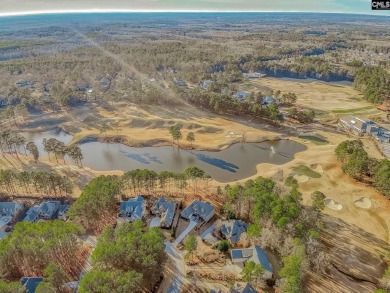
x: 12, y: 7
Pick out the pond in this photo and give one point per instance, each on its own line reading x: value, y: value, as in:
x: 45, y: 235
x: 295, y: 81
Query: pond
x: 234, y: 163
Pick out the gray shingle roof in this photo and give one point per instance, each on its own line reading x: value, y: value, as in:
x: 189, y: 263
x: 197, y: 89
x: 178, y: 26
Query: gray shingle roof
x: 63, y: 209
x: 10, y: 208
x: 32, y: 215
x: 233, y: 229
x: 254, y: 253
x: 165, y: 209
x: 133, y: 209
x: 49, y: 209
x: 242, y: 95
x: 5, y: 220
x: 199, y: 210
x: 31, y: 284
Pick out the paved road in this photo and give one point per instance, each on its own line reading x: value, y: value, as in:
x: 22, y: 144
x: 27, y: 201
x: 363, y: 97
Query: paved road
x: 179, y: 267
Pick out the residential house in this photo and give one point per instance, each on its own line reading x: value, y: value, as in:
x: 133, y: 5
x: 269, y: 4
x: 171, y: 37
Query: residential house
x: 198, y: 211
x: 47, y: 210
x: 242, y: 95
x: 5, y: 222
x: 254, y: 75
x: 382, y: 135
x: 204, y: 85
x: 26, y: 83
x: 3, y: 102
x: 208, y: 235
x: 255, y: 254
x: 9, y: 213
x: 232, y: 230
x: 354, y: 124
x: 45, y: 87
x: 133, y: 209
x: 267, y: 101
x: 31, y: 284
x: 32, y: 215
x: 243, y: 288
x: 165, y: 213
x: 62, y: 211
x: 372, y: 129
x: 105, y: 83
x: 179, y: 83
x: 84, y: 89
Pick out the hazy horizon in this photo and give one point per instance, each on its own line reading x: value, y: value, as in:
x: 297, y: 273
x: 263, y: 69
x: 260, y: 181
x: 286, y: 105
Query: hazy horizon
x: 30, y: 7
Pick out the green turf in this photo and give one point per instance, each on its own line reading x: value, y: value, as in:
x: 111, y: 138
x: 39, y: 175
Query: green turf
x: 303, y: 170
x: 355, y: 110
x: 314, y: 139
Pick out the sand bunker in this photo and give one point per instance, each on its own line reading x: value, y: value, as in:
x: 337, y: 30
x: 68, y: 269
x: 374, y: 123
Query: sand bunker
x: 363, y: 202
x: 317, y: 168
x: 334, y: 205
x: 230, y: 134
x: 301, y: 178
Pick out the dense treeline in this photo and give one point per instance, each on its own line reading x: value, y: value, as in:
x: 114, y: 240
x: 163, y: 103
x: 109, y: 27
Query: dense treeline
x: 374, y: 83
x: 226, y: 104
x: 147, y: 181
x: 32, y: 247
x: 46, y: 183
x: 302, y: 67
x: 282, y: 223
x: 127, y: 259
x: 356, y: 163
x: 97, y: 205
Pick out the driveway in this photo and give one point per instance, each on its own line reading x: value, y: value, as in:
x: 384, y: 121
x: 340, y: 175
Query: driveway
x: 191, y: 226
x: 178, y: 267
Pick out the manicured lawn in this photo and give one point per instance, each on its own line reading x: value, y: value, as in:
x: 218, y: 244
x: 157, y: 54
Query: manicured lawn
x: 356, y: 110
x: 315, y: 139
x: 304, y: 170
